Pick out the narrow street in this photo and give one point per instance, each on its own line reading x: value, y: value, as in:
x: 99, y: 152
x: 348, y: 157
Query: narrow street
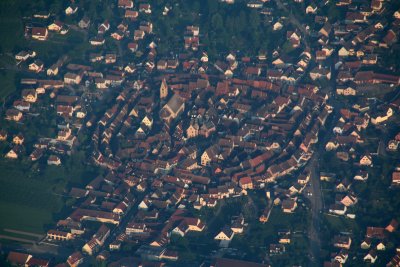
x: 316, y: 209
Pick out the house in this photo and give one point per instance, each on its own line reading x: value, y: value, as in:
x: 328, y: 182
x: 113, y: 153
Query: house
x: 209, y: 155
x: 133, y: 47
x: 125, y: 4
x: 54, y: 160
x: 255, y: 4
x: 148, y: 121
x: 131, y: 14
x: 311, y: 9
x: 18, y: 139
x: 207, y: 129
x: 366, y: 244
x: 3, y: 135
x: 277, y: 249
x: 246, y: 183
x: 326, y: 29
x: 390, y: 38
x: 72, y: 78
x: 349, y: 200
x: 345, y: 90
x: 52, y: 70
x: 13, y: 115
x: 225, y: 234
x: 103, y: 27
x: 284, y: 239
x: 75, y: 259
x: 238, y: 224
x: 320, y: 72
x: 138, y: 35
x: 393, y: 145
x: 97, y: 240
x: 39, y: 33
x: 366, y: 160
x: 64, y: 134
x: 361, y: 176
x: 13, y: 153
x: 36, y: 154
x: 24, y: 55
x: 193, y: 130
x: 344, y: 185
x: 393, y: 225
x: 59, y: 235
x: 383, y: 115
x: 118, y: 35
x: 97, y: 40
x: 375, y: 233
x: 55, y: 26
x: 381, y: 246
x: 371, y: 257
x: 396, y: 178
x: 42, y: 15
x: 341, y: 257
x: 338, y: 209
x: 110, y: 58
x: 145, y: 8
x: 344, y: 52
x: 18, y: 259
x: 135, y: 228
x: 277, y: 26
x: 70, y: 10
x: 342, y: 242
x: 36, y: 66
x: 115, y: 245
x: 188, y: 224
x: 29, y: 95
x: 144, y: 204
x: 84, y: 23
x: 289, y: 205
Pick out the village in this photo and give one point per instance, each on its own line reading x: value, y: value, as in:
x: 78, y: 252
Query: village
x: 286, y: 157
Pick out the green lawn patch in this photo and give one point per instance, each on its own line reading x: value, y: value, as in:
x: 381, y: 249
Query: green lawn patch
x: 7, y: 83
x: 23, y: 217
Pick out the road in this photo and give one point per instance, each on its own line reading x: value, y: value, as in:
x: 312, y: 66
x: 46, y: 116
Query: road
x: 316, y: 209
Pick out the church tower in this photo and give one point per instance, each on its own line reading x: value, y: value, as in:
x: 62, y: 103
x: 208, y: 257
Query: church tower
x: 163, y: 89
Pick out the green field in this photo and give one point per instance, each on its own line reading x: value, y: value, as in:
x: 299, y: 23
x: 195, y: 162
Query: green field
x: 26, y: 200
x: 30, y: 194
x: 7, y: 84
x: 23, y: 217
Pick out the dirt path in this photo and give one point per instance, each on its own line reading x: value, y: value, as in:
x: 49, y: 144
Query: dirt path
x: 17, y: 239
x: 23, y: 233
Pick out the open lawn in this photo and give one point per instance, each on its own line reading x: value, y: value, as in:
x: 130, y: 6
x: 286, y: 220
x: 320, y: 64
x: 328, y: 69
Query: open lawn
x: 339, y: 224
x: 257, y: 237
x: 7, y: 83
x: 11, y: 27
x: 31, y: 195
x: 17, y: 216
x: 26, y: 200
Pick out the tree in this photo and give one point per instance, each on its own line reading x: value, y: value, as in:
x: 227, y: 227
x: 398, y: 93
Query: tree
x: 212, y: 6
x: 217, y: 23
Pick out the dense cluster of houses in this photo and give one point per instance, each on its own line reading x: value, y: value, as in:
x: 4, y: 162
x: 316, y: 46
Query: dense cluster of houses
x: 184, y: 132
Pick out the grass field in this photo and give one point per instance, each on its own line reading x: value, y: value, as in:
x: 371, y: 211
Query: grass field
x: 17, y: 216
x: 11, y: 27
x: 30, y: 194
x: 7, y: 84
x: 26, y: 200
